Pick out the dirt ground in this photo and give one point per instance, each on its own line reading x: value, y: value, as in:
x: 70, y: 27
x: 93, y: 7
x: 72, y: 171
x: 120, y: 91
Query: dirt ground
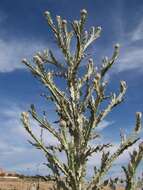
x: 19, y: 184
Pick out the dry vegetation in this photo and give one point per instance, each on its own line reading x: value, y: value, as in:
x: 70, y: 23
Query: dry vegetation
x: 21, y: 184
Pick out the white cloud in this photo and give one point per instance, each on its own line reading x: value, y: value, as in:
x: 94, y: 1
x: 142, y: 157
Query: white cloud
x: 132, y: 53
x: 12, y: 121
x: 132, y: 58
x: 103, y: 125
x: 20, y: 158
x: 137, y: 33
x: 12, y: 52
x: 15, y: 150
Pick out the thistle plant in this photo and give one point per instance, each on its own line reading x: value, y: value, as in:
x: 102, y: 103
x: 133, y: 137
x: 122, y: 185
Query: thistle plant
x: 80, y: 108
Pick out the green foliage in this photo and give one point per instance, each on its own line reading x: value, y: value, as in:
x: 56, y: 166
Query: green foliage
x: 84, y: 92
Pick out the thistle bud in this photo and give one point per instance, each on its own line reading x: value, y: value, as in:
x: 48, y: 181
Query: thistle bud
x: 24, y: 61
x: 49, y: 75
x: 25, y: 115
x: 48, y: 17
x: 83, y: 12
x: 62, y: 123
x: 104, y: 84
x: 141, y: 146
x: 47, y: 13
x: 75, y: 22
x: 139, y: 115
x: 90, y: 65
x: 25, y: 119
x: 99, y: 28
x: 138, y: 121
x: 58, y: 17
x: 90, y: 60
x: 38, y: 59
x: 117, y: 46
x: 98, y: 76
x: 123, y: 86
x: 64, y: 22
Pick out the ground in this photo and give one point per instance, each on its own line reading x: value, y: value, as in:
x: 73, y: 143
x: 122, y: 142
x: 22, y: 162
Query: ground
x: 21, y: 184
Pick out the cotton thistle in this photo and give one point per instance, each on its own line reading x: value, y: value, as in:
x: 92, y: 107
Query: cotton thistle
x: 79, y: 110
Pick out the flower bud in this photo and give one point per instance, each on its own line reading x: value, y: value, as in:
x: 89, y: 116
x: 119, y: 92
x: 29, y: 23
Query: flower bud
x: 138, y: 121
x: 38, y: 59
x: 98, y: 76
x: 141, y: 146
x: 75, y: 22
x: 139, y: 115
x: 62, y: 123
x: 90, y: 60
x: 25, y: 119
x: 58, y: 17
x: 117, y: 46
x: 99, y: 28
x: 123, y: 86
x: 83, y: 12
x: 64, y: 22
x: 47, y: 13
x: 24, y: 60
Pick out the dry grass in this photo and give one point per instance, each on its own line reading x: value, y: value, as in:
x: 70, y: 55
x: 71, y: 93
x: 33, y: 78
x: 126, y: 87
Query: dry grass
x: 20, y: 184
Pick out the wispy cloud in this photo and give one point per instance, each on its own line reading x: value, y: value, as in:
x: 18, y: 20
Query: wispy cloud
x: 104, y: 124
x: 137, y: 33
x: 131, y: 56
x: 20, y: 159
x: 13, y: 51
x: 13, y: 142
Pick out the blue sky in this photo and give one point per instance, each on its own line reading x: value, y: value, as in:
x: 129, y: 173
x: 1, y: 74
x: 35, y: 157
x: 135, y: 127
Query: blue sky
x: 23, y: 31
